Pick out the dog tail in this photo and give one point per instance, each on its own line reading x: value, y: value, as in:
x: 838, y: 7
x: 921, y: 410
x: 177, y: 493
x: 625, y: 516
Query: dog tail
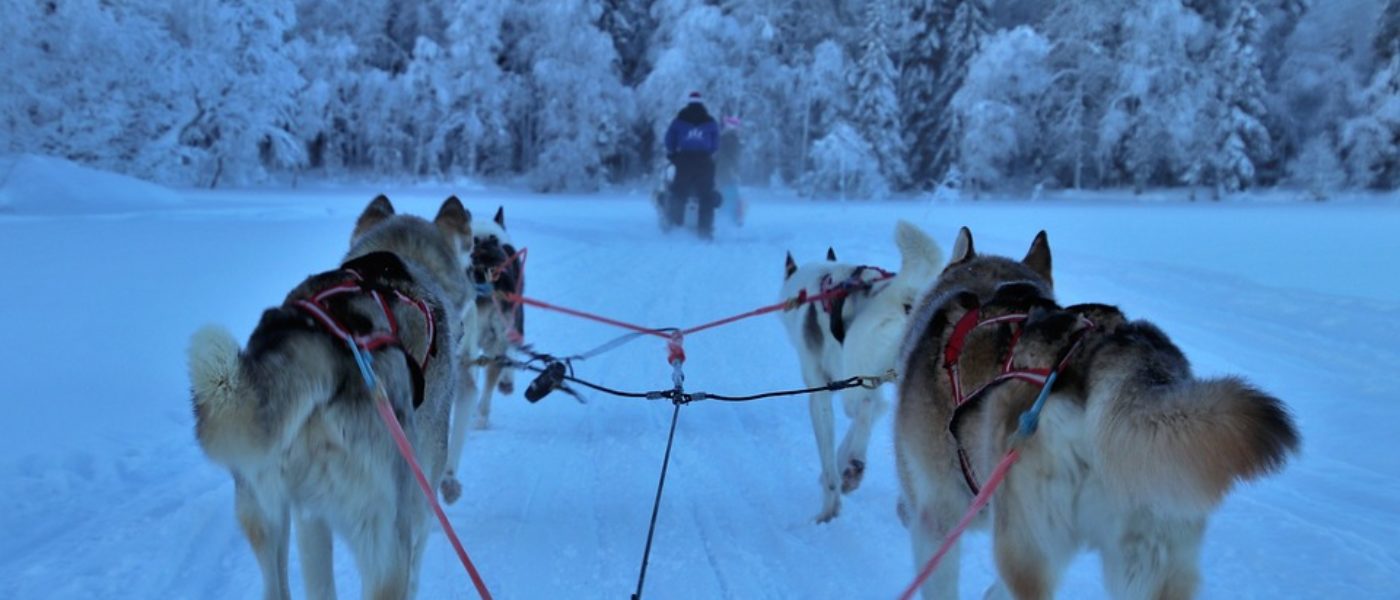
x: 223, y: 419
x: 1185, y: 447
x: 238, y: 422
x: 918, y: 251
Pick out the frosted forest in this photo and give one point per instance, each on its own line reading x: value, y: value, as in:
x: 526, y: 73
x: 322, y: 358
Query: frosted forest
x: 875, y: 97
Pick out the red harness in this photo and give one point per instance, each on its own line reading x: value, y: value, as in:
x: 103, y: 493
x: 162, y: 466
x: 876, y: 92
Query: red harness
x: 831, y: 291
x: 373, y: 340
x: 952, y: 353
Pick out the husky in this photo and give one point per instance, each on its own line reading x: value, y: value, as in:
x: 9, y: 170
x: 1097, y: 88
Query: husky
x: 494, y: 269
x: 454, y: 221
x: 853, y: 335
x: 1132, y: 453
x: 293, y: 420
x: 497, y: 265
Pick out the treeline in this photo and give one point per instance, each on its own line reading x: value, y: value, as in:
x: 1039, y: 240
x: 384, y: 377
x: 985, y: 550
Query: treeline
x: 862, y: 97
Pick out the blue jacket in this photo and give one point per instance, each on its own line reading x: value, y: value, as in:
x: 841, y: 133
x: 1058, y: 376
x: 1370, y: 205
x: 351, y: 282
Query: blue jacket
x: 693, y: 130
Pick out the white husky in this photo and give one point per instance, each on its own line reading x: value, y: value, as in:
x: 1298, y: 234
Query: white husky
x: 856, y: 334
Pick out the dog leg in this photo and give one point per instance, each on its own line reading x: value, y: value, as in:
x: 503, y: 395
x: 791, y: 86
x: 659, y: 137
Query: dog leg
x: 483, y: 415
x: 929, y: 525
x: 507, y: 383
x: 263, y: 518
x: 382, y: 553
x: 415, y: 560
x: 1024, y: 566
x: 1154, y: 558
x: 823, y: 427
x: 863, y: 407
x: 317, y: 563
x: 463, y: 407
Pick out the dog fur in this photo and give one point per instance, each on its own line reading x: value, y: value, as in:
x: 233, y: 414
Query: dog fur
x: 292, y: 420
x: 499, y: 317
x: 1132, y: 454
x: 859, y: 339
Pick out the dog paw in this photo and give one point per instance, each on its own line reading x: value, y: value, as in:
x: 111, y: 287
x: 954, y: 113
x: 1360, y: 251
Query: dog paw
x: 831, y: 504
x: 851, y: 475
x: 451, y: 488
x: 481, y: 422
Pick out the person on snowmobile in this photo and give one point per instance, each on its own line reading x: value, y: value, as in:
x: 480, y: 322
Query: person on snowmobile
x: 691, y: 143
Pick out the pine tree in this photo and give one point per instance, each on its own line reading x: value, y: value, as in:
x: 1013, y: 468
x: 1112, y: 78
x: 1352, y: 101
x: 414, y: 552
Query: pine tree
x: 476, y: 95
x: 1083, y: 41
x: 947, y: 36
x: 964, y: 38
x: 917, y: 81
x: 629, y: 23
x: 1387, y: 41
x: 876, y: 112
x: 1371, y: 141
x: 1241, y: 145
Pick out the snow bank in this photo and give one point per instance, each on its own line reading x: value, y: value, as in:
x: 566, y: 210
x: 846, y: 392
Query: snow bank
x: 44, y: 185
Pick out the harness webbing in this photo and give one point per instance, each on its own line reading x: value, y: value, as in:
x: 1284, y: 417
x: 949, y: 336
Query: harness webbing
x: 952, y: 354
x: 356, y: 284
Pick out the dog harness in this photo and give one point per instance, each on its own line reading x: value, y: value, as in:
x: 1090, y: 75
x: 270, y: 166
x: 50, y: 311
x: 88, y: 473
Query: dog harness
x: 834, y: 294
x: 952, y: 354
x: 357, y: 283
x: 500, y: 282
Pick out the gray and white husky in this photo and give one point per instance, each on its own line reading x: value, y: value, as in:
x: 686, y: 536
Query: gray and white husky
x: 853, y: 335
x: 292, y: 419
x: 1131, y: 456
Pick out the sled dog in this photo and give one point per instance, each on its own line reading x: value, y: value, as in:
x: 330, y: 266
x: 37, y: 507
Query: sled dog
x: 493, y: 268
x: 496, y: 264
x: 293, y: 420
x: 1132, y: 452
x: 855, y: 334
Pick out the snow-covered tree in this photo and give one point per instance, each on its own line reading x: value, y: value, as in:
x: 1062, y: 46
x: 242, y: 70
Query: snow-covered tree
x: 947, y: 36
x: 579, y: 104
x: 1387, y: 40
x: 1084, y: 36
x: 876, y: 111
x: 845, y: 166
x: 1317, y: 169
x: 918, y: 82
x: 1238, y: 146
x: 997, y: 107
x: 1148, y: 133
x: 962, y: 41
x: 476, y: 94
x: 239, y: 89
x: 1371, y: 141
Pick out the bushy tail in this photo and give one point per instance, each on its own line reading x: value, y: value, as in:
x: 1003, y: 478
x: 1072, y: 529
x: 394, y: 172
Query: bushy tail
x: 1183, y: 448
x: 225, y: 422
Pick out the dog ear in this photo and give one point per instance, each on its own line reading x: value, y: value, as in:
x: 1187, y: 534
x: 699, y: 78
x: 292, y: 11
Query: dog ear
x: 963, y: 249
x: 379, y: 209
x: 454, y: 217
x: 1038, y: 257
x: 500, y: 216
x: 831, y: 254
x: 789, y: 268
x: 919, y: 254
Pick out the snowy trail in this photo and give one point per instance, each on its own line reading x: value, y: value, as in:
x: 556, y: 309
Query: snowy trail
x: 105, y: 493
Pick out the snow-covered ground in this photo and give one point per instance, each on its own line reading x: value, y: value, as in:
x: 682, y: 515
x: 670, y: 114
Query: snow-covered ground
x: 104, y: 493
